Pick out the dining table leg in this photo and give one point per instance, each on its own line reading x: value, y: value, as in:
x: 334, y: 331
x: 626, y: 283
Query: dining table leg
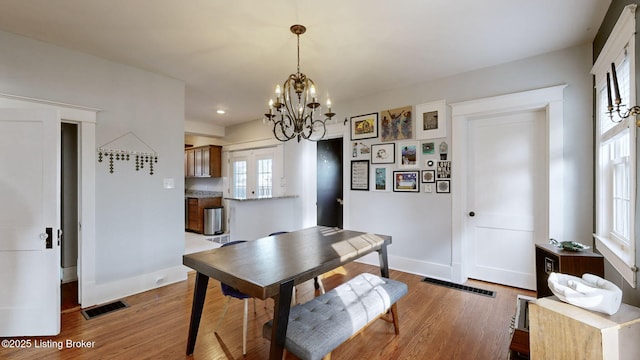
x: 384, y: 263
x: 281, y: 310
x: 199, y: 292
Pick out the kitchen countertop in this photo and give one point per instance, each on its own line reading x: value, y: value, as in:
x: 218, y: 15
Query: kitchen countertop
x: 199, y: 194
x: 263, y: 198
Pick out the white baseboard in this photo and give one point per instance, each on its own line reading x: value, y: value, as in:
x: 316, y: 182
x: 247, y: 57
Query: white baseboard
x: 411, y: 266
x: 69, y: 274
x: 94, y: 294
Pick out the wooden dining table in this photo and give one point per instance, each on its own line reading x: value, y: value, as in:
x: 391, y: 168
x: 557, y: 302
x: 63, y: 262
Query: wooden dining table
x: 270, y: 267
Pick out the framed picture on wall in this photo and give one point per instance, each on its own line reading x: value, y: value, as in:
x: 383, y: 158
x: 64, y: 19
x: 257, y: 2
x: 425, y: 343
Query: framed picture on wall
x: 397, y: 124
x: 364, y: 126
x: 406, y: 181
x: 408, y: 154
x: 442, y: 186
x: 360, y: 175
x: 431, y: 120
x: 428, y: 176
x: 383, y: 153
x: 380, y: 177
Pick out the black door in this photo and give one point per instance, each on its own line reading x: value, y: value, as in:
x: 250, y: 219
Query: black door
x: 329, y: 182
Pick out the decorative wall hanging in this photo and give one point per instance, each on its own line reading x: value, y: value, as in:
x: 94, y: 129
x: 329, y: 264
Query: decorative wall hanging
x: 364, y: 126
x: 406, y: 181
x: 383, y: 153
x: 397, y: 124
x: 444, y: 169
x: 427, y: 188
x: 126, y: 148
x: 365, y: 149
x: 408, y: 154
x: 444, y: 149
x: 380, y: 175
x: 359, y: 150
x: 360, y: 175
x: 428, y: 148
x: 442, y: 186
x: 428, y: 176
x: 431, y: 120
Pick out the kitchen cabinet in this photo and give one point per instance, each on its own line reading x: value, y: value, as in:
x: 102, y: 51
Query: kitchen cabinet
x: 195, y: 212
x: 203, y: 161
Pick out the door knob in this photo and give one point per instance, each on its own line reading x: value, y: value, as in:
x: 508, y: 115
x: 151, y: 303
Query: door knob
x: 472, y: 214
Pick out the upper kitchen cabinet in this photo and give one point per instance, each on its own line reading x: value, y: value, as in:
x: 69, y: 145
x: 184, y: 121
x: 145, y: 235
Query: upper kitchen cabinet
x: 203, y: 161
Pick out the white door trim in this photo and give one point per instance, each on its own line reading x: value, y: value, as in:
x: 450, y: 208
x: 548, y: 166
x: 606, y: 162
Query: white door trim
x: 549, y: 99
x: 86, y: 119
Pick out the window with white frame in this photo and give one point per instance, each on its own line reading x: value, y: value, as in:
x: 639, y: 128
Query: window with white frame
x: 253, y: 172
x: 615, y: 151
x: 240, y: 178
x: 265, y: 177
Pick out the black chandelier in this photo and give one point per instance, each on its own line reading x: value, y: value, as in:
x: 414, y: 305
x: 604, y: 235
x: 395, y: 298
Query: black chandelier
x: 296, y: 105
x: 622, y: 115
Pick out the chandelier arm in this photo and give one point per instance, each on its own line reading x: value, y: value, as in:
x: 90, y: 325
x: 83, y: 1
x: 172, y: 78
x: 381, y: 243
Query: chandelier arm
x: 324, y: 130
x: 283, y: 127
x: 291, y: 126
x: 309, y: 127
x: 287, y: 99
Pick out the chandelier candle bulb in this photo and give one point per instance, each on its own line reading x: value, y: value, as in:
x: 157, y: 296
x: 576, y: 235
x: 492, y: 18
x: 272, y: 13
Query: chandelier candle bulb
x: 312, y: 92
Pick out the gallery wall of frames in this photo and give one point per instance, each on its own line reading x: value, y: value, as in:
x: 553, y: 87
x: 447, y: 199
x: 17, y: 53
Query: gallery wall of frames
x: 401, y: 150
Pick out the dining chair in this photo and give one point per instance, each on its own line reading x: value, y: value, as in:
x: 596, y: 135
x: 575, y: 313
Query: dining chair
x: 317, y: 283
x: 230, y: 292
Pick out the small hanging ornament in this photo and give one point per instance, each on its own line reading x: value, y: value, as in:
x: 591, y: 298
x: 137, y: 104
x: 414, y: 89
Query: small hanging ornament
x: 111, y: 163
x: 125, y: 155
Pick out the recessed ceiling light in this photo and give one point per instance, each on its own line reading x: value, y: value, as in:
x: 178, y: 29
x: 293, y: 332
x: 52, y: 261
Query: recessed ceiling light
x: 220, y: 111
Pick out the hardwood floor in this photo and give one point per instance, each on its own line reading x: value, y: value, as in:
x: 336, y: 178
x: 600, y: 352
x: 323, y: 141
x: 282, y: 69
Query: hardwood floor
x: 435, y: 323
x: 69, y: 296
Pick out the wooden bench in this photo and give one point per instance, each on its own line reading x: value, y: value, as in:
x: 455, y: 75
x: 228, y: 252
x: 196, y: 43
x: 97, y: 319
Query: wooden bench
x: 322, y: 324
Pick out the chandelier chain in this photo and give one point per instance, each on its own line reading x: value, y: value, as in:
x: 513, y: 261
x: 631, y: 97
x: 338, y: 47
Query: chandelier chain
x: 298, y: 36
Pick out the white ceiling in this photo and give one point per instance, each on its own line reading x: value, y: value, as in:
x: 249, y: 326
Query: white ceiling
x: 231, y: 54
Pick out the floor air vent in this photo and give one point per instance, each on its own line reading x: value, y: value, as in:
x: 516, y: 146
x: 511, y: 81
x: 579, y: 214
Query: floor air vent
x: 460, y: 287
x: 104, y: 309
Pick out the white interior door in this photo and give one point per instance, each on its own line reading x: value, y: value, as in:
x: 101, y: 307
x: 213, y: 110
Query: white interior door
x: 29, y: 189
x: 506, y: 196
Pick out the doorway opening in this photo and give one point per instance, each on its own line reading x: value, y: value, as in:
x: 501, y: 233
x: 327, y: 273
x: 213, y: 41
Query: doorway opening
x: 329, y: 183
x: 69, y: 175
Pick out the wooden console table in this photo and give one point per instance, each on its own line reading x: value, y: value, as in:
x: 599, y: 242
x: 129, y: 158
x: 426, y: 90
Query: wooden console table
x: 550, y: 258
x: 562, y: 331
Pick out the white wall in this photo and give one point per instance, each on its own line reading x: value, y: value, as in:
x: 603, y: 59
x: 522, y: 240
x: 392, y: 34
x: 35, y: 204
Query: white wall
x: 139, y: 224
x: 421, y: 223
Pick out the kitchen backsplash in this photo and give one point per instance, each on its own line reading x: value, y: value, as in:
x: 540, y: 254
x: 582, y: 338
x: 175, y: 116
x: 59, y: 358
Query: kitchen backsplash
x: 203, y: 184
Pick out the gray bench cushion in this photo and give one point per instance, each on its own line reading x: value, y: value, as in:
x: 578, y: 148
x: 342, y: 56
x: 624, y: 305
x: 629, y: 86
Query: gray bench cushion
x: 322, y: 324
